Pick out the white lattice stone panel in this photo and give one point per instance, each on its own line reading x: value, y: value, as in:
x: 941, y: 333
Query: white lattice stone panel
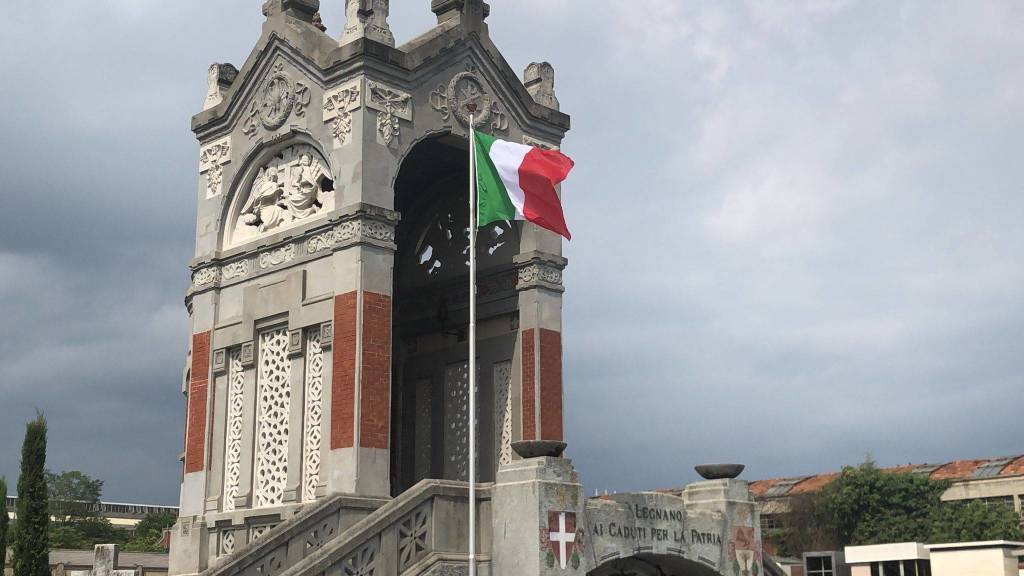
x: 233, y: 444
x: 503, y: 412
x: 314, y: 415
x: 456, y: 426
x: 272, y: 419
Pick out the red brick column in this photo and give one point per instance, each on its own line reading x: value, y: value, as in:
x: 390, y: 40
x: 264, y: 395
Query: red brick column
x: 375, y: 369
x: 375, y: 409
x: 343, y: 384
x: 550, y: 402
x: 199, y: 384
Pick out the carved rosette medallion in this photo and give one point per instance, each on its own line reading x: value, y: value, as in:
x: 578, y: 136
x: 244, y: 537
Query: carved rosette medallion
x: 466, y: 90
x: 339, y: 104
x: 539, y: 274
x: 212, y: 160
x: 391, y: 105
x: 278, y: 97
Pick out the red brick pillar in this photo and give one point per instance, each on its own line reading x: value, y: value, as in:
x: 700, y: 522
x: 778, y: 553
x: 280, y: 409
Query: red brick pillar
x: 198, y: 397
x: 540, y: 318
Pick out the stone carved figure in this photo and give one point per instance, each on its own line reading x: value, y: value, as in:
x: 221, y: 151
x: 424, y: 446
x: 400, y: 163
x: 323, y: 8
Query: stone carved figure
x: 265, y: 207
x: 289, y: 188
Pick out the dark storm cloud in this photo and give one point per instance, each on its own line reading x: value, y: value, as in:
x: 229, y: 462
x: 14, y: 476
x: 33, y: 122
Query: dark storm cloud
x: 796, y: 228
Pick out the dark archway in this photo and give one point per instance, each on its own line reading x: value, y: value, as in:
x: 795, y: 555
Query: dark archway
x: 653, y: 565
x: 430, y: 350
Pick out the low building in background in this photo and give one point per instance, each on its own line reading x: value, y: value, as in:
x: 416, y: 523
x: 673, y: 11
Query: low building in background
x: 994, y: 558
x: 121, y: 515
x: 995, y: 481
x: 105, y: 560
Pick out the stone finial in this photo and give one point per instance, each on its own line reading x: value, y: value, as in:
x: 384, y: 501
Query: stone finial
x: 220, y: 78
x: 301, y: 9
x: 472, y: 12
x: 367, y: 19
x: 540, y: 83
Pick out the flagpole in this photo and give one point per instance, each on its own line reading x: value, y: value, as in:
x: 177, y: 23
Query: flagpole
x: 472, y: 340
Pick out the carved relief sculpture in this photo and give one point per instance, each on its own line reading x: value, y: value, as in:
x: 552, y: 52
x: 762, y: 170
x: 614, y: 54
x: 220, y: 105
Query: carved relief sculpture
x: 338, y: 107
x: 212, y: 160
x: 391, y: 106
x: 466, y: 89
x: 287, y: 189
x: 277, y: 99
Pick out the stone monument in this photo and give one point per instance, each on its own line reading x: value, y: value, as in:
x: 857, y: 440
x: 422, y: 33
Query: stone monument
x: 327, y: 378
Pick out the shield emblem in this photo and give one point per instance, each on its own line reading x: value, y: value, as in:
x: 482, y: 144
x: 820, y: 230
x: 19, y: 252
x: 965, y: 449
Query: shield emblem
x: 562, y: 536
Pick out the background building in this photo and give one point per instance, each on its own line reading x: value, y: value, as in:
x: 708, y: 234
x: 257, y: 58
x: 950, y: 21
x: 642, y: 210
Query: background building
x: 124, y: 516
x: 995, y: 481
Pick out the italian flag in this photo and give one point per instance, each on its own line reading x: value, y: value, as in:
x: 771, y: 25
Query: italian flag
x: 517, y: 182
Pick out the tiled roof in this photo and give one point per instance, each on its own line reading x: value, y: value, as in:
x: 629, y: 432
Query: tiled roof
x: 958, y: 470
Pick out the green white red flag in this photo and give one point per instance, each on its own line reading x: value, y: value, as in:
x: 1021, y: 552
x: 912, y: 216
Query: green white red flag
x: 517, y: 182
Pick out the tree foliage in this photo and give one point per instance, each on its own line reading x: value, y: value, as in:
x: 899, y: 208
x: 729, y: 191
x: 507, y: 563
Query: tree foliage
x: 865, y: 505
x: 149, y: 533
x: 4, y: 523
x: 31, y: 542
x: 74, y: 497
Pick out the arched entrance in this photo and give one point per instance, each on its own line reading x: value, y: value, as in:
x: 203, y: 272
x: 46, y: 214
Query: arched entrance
x: 430, y: 351
x: 653, y: 565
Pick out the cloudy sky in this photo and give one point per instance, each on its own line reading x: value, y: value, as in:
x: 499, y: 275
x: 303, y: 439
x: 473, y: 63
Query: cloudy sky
x: 797, y: 227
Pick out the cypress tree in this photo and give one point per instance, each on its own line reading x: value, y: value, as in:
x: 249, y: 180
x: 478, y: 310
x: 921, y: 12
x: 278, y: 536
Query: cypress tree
x: 4, y: 523
x: 31, y: 540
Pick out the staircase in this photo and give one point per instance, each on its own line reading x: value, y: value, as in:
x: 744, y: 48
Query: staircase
x: 422, y: 532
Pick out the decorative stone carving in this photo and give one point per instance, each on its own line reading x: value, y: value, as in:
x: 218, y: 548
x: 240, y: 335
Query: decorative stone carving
x: 363, y: 562
x: 233, y: 444
x: 248, y: 354
x: 259, y: 532
x: 313, y: 417
x: 272, y: 419
x: 352, y: 230
x: 212, y: 160
x: 367, y: 19
x: 278, y: 97
x: 277, y: 257
x: 391, y: 105
x: 503, y: 412
x: 540, y: 83
x: 219, y: 78
x: 456, y: 428
x: 320, y: 535
x: 235, y: 270
x: 338, y: 107
x: 413, y: 537
x: 465, y: 89
x: 227, y: 542
x: 205, y: 276
x: 295, y: 343
x: 538, y: 272
x: 292, y: 187
x: 536, y: 143
x: 287, y: 189
x: 327, y: 335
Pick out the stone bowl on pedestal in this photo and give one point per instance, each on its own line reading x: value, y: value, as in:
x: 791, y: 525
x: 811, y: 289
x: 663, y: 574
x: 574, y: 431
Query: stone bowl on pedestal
x: 720, y: 471
x: 539, y: 448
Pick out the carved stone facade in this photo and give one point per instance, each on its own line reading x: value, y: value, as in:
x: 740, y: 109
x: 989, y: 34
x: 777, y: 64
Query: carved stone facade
x: 330, y: 266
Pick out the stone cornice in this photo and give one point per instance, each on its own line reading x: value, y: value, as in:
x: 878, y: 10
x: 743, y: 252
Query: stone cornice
x: 358, y: 225
x: 540, y: 270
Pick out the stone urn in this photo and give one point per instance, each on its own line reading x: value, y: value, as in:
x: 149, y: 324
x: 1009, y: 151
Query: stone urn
x: 720, y: 471
x: 539, y: 448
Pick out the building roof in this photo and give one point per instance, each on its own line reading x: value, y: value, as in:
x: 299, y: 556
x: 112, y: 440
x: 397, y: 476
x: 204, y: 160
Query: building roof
x: 954, y: 471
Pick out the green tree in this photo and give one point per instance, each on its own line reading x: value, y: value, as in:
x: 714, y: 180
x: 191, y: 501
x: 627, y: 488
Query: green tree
x: 74, y: 497
x: 865, y: 505
x: 973, y: 521
x: 149, y: 533
x: 4, y: 523
x: 31, y: 542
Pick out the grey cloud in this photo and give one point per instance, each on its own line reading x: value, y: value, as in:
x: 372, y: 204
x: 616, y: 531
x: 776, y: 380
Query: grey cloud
x: 796, y: 228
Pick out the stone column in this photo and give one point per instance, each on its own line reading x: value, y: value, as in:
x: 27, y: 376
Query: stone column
x: 731, y: 501
x: 367, y: 19
x: 540, y: 345
x: 532, y: 497
x: 188, y: 536
x: 360, y: 405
